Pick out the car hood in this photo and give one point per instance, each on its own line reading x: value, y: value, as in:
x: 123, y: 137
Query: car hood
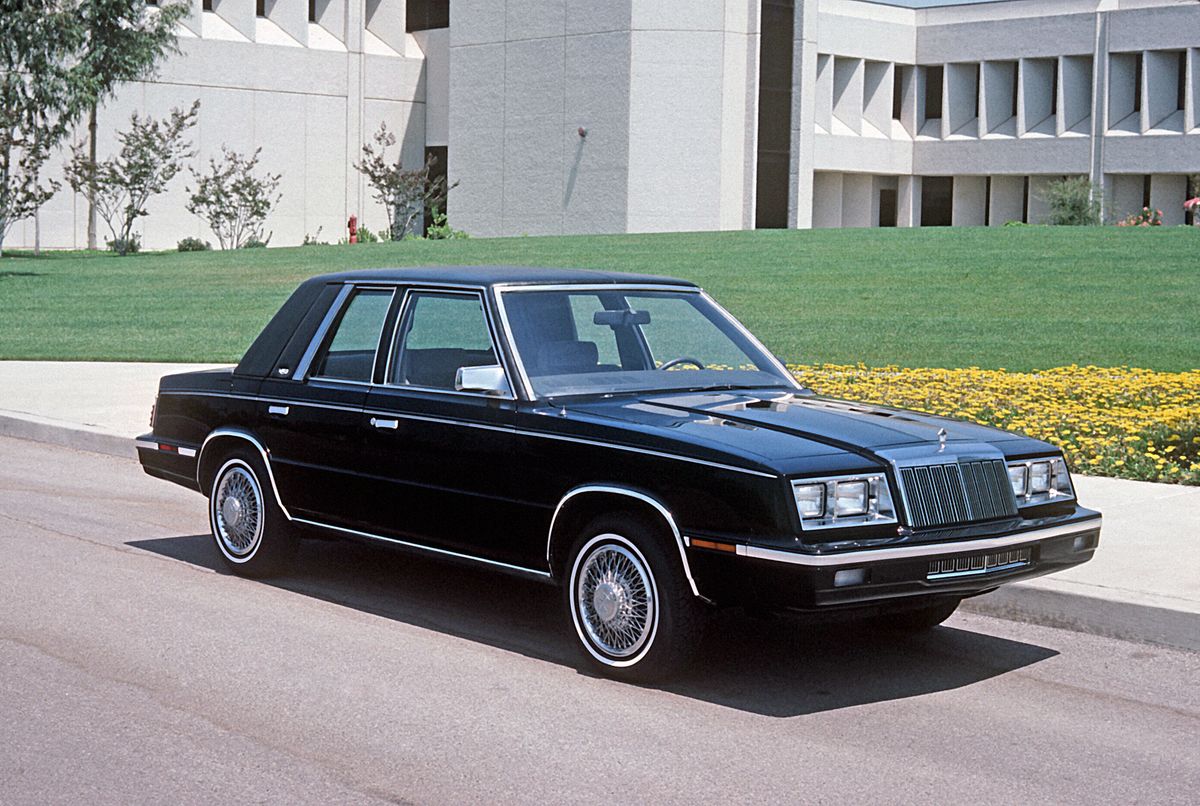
x: 779, y: 425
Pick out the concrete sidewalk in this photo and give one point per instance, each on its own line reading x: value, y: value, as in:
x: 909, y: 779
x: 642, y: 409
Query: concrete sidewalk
x: 1143, y: 584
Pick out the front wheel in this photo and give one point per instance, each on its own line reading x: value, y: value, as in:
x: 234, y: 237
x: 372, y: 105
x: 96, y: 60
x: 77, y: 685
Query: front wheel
x: 251, y: 532
x: 632, y: 608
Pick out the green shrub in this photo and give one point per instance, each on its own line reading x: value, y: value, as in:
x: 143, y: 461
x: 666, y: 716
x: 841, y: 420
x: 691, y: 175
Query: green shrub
x: 254, y: 243
x: 439, y: 229
x: 1072, y: 202
x: 193, y: 245
x: 125, y: 246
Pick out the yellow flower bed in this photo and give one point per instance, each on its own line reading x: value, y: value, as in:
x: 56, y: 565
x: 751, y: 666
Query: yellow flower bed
x: 1118, y: 421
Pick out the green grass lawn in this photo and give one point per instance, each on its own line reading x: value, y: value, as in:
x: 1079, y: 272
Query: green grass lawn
x: 1020, y: 298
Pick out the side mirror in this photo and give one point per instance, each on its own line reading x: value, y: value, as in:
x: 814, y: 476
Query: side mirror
x: 489, y: 380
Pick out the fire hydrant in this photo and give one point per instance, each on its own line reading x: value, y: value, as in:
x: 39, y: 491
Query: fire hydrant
x: 352, y: 225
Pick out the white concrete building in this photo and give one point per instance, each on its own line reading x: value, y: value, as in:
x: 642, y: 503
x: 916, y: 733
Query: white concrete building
x: 566, y: 116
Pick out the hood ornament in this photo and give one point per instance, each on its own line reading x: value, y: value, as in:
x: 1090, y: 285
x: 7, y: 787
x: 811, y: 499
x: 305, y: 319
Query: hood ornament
x: 942, y: 434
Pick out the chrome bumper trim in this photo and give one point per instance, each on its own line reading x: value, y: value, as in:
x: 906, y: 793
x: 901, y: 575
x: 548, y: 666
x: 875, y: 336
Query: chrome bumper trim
x: 156, y: 446
x: 928, y: 550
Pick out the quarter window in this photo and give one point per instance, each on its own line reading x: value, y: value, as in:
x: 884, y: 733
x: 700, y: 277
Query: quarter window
x: 351, y: 352
x: 440, y: 333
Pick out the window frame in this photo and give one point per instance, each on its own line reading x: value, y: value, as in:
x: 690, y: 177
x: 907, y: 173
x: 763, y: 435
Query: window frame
x: 500, y: 289
x: 325, y: 334
x: 393, y: 342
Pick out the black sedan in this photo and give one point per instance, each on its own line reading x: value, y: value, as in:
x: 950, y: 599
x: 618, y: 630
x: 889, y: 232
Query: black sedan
x: 620, y: 436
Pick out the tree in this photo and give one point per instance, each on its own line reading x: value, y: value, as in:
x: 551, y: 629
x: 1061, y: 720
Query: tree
x: 38, y: 40
x: 1072, y: 202
x: 152, y: 153
x: 233, y: 199
x: 123, y: 40
x: 403, y: 193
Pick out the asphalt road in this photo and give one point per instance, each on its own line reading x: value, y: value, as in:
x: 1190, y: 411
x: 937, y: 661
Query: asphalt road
x: 133, y: 671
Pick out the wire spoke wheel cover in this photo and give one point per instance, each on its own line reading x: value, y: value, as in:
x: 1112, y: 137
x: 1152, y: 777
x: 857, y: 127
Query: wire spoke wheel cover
x: 615, y: 600
x: 237, y: 512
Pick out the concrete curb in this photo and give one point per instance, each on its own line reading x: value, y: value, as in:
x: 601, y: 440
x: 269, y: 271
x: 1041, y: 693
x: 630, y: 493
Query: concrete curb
x: 1130, y: 621
x: 81, y: 439
x: 1020, y: 601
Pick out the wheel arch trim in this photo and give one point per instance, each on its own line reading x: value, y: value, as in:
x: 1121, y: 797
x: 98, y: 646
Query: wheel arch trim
x: 246, y: 436
x: 628, y: 492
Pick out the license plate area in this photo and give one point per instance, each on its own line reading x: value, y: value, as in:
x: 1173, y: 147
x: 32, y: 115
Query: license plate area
x: 979, y: 564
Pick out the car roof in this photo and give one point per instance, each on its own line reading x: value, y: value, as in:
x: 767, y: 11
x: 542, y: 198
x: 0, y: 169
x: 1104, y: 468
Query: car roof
x: 498, y: 275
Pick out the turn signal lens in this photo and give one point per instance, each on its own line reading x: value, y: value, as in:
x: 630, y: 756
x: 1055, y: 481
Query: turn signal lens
x: 810, y: 500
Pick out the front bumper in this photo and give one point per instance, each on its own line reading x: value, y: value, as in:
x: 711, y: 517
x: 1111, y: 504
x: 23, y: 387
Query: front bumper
x: 772, y: 578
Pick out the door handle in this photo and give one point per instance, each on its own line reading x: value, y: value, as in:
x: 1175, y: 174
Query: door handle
x: 278, y: 410
x: 389, y: 424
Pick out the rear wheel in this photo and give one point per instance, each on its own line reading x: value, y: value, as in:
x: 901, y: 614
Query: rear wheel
x: 920, y: 619
x: 251, y: 532
x: 632, y: 608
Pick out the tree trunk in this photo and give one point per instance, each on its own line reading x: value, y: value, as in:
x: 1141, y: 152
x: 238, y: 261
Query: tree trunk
x: 37, y: 232
x: 91, y: 196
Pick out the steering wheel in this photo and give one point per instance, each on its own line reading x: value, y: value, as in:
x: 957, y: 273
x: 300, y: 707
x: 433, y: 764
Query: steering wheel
x: 683, y: 359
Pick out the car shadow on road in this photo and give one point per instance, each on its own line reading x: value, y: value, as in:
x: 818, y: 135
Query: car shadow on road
x: 771, y: 667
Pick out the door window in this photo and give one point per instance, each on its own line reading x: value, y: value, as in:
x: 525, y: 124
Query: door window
x: 439, y: 334
x: 351, y: 352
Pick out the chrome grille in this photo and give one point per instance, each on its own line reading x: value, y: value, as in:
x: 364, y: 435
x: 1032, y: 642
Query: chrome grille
x: 962, y: 492
x: 979, y: 564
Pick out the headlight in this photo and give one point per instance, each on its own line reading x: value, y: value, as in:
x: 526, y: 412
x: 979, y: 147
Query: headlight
x: 840, y: 501
x: 1040, y: 481
x: 810, y: 500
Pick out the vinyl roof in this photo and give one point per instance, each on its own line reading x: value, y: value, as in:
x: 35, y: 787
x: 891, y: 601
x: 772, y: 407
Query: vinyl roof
x: 496, y: 275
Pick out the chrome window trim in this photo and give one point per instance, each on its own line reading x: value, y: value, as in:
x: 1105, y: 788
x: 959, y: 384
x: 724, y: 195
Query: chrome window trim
x: 492, y: 335
x: 519, y: 569
x: 500, y: 289
x: 509, y: 429
x: 314, y: 347
x: 612, y: 489
x: 925, y: 550
x: 314, y: 344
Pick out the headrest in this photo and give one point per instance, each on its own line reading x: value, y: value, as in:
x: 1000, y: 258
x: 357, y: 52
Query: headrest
x: 566, y: 357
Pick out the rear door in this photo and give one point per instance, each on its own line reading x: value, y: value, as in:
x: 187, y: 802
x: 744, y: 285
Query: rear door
x: 311, y: 423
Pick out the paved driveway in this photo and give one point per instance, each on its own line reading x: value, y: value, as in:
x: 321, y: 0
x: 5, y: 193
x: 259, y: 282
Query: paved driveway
x: 133, y: 671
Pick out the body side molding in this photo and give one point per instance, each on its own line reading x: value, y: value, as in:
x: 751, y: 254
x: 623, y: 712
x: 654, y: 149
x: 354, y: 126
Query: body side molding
x: 253, y: 440
x: 614, y: 489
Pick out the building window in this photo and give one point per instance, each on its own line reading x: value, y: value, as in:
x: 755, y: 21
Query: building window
x: 937, y: 201
x: 1181, y: 92
x: 978, y: 87
x: 422, y: 15
x: 260, y: 8
x: 1137, y: 82
x: 1016, y: 77
x: 1054, y: 89
x: 207, y: 5
x: 897, y: 92
x: 312, y: 10
x: 933, y: 91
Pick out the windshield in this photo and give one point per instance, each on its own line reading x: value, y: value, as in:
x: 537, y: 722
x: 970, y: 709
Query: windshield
x: 621, y: 340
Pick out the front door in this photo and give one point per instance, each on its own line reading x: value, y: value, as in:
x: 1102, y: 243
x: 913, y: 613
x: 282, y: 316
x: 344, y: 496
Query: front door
x: 440, y: 458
